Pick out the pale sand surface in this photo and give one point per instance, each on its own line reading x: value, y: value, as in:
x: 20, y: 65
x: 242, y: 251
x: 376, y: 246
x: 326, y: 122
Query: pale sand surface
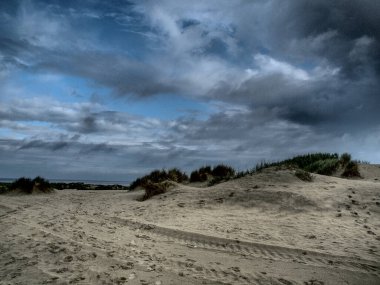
x: 269, y: 228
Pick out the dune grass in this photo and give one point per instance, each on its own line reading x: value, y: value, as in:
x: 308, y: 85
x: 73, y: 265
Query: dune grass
x: 351, y: 170
x: 303, y: 175
x: 153, y: 189
x: 29, y: 186
x: 319, y: 163
x: 157, y: 176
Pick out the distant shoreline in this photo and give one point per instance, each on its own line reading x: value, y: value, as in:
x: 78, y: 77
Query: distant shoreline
x: 91, y: 182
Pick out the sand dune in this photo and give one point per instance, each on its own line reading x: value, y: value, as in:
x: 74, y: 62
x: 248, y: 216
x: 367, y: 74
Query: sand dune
x: 269, y: 228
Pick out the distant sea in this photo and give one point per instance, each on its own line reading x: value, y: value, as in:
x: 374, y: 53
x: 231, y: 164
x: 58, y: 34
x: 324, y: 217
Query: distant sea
x: 95, y: 182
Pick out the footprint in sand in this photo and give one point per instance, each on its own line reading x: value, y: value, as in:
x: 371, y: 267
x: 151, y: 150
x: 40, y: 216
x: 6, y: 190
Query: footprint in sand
x: 132, y: 276
x: 68, y: 258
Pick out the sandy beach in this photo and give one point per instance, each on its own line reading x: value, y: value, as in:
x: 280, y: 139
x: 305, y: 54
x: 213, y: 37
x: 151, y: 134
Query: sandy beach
x: 266, y: 228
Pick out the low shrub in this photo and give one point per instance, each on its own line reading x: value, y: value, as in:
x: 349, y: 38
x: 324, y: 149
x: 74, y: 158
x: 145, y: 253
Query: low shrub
x: 223, y: 171
x: 205, y: 170
x: 153, y: 189
x: 41, y: 184
x: 324, y: 167
x: 195, y: 176
x: 351, y: 170
x: 27, y: 185
x: 201, y: 175
x: 176, y: 175
x: 4, y: 187
x: 217, y: 174
x: 303, y: 175
x: 157, y: 176
x: 23, y: 184
x: 345, y: 158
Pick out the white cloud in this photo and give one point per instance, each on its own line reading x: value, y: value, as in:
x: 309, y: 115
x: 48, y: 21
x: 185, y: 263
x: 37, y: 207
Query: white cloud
x: 267, y: 65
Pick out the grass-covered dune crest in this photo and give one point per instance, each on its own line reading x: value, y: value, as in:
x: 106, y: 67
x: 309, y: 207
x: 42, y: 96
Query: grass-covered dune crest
x: 330, y: 164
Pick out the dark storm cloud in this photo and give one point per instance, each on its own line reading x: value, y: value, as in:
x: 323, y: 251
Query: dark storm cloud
x: 340, y: 34
x: 334, y: 104
x: 334, y: 30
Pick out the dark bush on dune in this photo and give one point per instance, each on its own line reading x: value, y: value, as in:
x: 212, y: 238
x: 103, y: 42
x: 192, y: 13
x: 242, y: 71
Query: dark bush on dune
x: 195, y: 176
x: 222, y: 170
x: 303, y: 175
x: 153, y: 189
x: 41, y: 184
x: 27, y: 185
x: 205, y: 170
x: 4, y: 187
x: 345, y: 158
x: 157, y: 176
x: 23, y: 184
x: 351, y: 170
x: 177, y: 175
x: 221, y: 173
x: 217, y: 174
x: 201, y: 174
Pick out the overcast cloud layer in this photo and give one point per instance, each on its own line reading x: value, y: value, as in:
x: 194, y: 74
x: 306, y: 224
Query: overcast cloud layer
x: 112, y: 89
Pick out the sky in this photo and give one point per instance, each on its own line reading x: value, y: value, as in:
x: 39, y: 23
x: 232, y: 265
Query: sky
x: 110, y: 90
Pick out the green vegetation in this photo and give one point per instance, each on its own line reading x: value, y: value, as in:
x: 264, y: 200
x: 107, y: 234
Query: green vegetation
x: 351, y: 170
x: 4, y: 187
x: 320, y: 163
x: 300, y: 161
x: 23, y: 184
x: 215, y: 175
x: 157, y: 176
x: 345, y: 158
x: 201, y: 175
x: 223, y: 171
x: 303, y: 175
x: 28, y: 186
x: 42, y: 184
x: 324, y: 167
x: 153, y: 189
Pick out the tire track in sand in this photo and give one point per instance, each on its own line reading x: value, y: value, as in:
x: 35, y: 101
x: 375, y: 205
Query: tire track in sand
x: 254, y: 249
